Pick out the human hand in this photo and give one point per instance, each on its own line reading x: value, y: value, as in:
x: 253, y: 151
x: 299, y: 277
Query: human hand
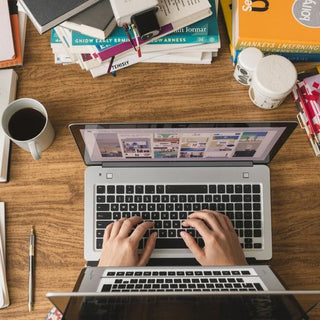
x: 222, y: 246
x: 121, y: 249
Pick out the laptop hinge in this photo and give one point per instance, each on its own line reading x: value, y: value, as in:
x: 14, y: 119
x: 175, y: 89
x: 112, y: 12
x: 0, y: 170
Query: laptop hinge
x: 152, y: 164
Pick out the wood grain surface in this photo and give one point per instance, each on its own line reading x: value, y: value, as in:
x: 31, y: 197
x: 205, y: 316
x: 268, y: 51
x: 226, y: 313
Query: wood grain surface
x: 49, y: 193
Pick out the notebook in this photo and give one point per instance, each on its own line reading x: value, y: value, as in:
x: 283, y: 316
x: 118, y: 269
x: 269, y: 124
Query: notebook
x: 164, y: 171
x: 234, y: 292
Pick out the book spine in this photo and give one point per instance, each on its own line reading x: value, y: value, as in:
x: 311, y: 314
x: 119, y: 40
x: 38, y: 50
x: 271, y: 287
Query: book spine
x: 272, y: 46
x: 292, y: 56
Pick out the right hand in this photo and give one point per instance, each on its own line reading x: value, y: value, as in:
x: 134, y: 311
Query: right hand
x: 222, y: 246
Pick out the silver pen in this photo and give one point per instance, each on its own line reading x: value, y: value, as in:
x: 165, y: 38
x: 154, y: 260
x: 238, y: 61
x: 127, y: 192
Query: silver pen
x: 31, y: 269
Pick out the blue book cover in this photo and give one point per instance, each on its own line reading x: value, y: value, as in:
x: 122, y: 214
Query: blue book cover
x: 203, y: 31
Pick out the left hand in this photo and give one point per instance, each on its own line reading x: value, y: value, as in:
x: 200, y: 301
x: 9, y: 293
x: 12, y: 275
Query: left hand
x: 120, y: 249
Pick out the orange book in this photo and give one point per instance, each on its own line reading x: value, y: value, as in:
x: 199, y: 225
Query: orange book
x: 277, y: 25
x: 17, y: 60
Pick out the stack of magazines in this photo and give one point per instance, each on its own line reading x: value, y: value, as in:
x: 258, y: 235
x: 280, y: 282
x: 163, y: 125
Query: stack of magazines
x: 192, y: 37
x: 306, y: 95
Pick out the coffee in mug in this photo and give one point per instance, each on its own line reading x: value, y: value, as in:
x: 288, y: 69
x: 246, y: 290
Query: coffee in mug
x: 26, y: 124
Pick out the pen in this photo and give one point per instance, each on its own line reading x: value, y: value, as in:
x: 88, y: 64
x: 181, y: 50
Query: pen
x: 31, y: 269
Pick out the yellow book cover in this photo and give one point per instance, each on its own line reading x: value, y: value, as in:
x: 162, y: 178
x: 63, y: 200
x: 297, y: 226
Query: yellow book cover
x: 226, y: 6
x: 277, y: 25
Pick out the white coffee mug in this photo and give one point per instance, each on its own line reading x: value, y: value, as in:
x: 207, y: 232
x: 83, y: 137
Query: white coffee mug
x: 25, y: 121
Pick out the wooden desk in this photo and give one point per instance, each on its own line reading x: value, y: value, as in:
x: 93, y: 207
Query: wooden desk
x: 49, y: 193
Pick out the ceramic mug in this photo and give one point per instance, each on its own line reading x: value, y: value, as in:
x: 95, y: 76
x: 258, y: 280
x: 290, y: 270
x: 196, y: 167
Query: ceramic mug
x: 25, y: 121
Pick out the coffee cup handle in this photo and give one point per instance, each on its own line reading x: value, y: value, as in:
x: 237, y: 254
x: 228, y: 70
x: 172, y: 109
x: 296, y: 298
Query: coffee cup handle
x: 36, y: 154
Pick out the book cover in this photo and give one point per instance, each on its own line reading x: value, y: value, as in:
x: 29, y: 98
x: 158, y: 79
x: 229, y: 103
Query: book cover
x: 275, y: 26
x: 96, y: 21
x: 6, y: 39
x: 8, y: 85
x: 15, y: 27
x: 46, y: 14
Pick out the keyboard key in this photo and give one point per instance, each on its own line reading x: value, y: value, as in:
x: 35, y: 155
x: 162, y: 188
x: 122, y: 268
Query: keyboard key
x: 146, y: 215
x: 139, y: 189
x: 172, y: 233
x: 104, y: 215
x: 129, y: 189
x: 256, y: 188
x: 120, y: 189
x: 123, y: 207
x: 100, y: 233
x: 256, y: 198
x: 101, y: 189
x: 111, y: 189
x: 258, y: 286
x: 101, y: 199
x: 149, y: 189
x: 103, y: 207
x: 99, y: 243
x: 165, y: 198
x: 120, y: 199
x: 236, y: 198
x: 160, y: 189
x: 156, y: 198
x: 170, y: 243
x: 257, y: 233
x: 186, y: 189
x: 114, y: 207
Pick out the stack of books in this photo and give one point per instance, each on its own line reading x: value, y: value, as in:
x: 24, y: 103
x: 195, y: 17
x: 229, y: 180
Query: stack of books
x: 189, y: 34
x: 306, y: 96
x: 286, y: 27
x: 13, y: 21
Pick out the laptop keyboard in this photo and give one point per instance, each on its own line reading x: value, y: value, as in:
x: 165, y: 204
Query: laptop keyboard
x: 192, y: 281
x: 169, y: 205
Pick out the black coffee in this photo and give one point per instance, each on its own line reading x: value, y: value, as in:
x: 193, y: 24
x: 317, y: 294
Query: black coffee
x: 26, y: 123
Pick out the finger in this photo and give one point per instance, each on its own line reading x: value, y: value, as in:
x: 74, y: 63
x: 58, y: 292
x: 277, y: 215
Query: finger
x: 222, y: 219
x: 116, y: 227
x: 148, y: 249
x: 199, y: 225
x: 192, y: 245
x: 107, y: 232
x: 209, y: 217
x: 141, y: 229
x: 128, y: 224
x: 229, y: 224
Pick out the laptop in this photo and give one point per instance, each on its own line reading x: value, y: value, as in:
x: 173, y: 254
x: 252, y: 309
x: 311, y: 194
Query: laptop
x: 224, y: 292
x: 165, y: 171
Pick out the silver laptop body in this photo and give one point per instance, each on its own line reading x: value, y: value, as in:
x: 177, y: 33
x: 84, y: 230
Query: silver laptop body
x: 174, y: 155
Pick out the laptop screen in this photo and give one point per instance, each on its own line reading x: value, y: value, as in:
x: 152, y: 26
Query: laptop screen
x: 180, y: 142
x: 166, y: 307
